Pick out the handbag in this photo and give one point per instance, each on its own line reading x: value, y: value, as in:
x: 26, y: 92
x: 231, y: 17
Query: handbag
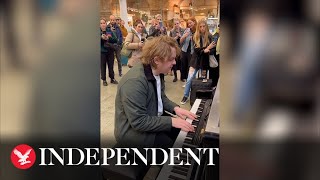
x: 213, y: 61
x: 110, y: 46
x: 125, y: 51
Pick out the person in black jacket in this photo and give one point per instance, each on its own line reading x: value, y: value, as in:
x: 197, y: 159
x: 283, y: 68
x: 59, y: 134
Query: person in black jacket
x: 118, y: 45
x: 107, y: 53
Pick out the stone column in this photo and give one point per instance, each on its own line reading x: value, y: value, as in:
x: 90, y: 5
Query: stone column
x: 124, y: 12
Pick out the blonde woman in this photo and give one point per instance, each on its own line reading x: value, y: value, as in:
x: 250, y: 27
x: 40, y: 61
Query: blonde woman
x: 200, y: 59
x: 135, y: 41
x: 157, y: 27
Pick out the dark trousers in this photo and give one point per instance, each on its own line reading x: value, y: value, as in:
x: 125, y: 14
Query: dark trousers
x: 185, y: 63
x: 214, y: 72
x: 177, y: 66
x: 118, y: 56
x: 107, y: 59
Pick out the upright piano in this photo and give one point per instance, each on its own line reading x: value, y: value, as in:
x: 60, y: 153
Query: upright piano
x: 206, y: 135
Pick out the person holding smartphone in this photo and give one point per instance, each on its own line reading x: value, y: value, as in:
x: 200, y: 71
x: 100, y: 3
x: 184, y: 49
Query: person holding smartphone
x: 107, y: 54
x: 203, y: 47
x: 187, y: 47
x: 135, y: 41
x: 157, y: 28
x: 176, y: 33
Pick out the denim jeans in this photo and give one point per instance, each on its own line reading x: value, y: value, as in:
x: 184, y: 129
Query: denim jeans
x: 188, y: 83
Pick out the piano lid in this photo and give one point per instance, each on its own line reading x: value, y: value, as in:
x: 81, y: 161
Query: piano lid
x: 214, y: 115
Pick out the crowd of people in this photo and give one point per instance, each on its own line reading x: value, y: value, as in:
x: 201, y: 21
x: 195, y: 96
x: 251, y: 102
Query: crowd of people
x: 199, y: 48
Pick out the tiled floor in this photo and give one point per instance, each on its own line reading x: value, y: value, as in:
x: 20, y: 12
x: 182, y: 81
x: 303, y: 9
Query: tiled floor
x: 173, y: 90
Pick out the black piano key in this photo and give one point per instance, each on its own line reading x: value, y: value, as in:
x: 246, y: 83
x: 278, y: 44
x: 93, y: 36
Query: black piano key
x: 188, y: 141
x: 196, y: 120
x: 176, y: 161
x: 189, y: 146
x: 183, y: 173
x: 190, y: 134
x: 181, y: 168
x: 175, y: 178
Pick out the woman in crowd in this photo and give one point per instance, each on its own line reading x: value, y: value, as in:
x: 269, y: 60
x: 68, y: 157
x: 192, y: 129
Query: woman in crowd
x: 107, y: 53
x: 200, y: 59
x: 135, y: 41
x: 176, y: 33
x: 187, y: 47
x: 157, y: 27
x: 144, y: 30
x: 214, y: 71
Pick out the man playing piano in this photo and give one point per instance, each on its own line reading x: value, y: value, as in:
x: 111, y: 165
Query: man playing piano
x: 140, y: 102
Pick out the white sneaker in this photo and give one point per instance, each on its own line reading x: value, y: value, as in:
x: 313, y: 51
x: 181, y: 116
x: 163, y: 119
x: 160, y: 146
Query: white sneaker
x: 184, y: 100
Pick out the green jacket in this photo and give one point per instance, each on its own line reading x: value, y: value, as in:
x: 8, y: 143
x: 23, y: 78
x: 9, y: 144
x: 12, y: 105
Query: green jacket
x: 136, y: 108
x: 112, y: 39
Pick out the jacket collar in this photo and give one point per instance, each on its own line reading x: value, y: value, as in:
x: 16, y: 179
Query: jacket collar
x: 115, y: 25
x: 148, y: 72
x: 136, y: 33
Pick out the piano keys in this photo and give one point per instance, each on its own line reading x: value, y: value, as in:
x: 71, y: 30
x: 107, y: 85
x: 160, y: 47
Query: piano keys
x: 206, y: 127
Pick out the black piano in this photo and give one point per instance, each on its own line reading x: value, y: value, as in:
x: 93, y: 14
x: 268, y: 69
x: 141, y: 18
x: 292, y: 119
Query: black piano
x: 206, y: 135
